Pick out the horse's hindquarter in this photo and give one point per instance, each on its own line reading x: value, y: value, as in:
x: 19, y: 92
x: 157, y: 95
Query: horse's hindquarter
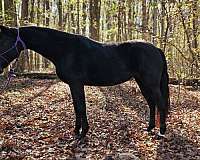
x: 148, y: 62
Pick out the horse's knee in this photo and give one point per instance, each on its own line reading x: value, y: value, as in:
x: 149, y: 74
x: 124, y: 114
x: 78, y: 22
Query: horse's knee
x: 151, y: 119
x: 85, y: 129
x: 77, y: 129
x: 85, y: 125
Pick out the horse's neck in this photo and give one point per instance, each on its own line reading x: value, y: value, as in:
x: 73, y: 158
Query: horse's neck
x: 43, y: 42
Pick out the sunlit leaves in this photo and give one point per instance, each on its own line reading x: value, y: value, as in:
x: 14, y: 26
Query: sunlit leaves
x: 37, y: 121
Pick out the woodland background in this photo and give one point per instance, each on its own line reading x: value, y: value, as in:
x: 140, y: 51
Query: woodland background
x: 36, y: 112
x: 172, y: 25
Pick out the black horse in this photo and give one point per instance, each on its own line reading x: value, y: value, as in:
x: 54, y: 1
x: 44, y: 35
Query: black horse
x: 81, y: 61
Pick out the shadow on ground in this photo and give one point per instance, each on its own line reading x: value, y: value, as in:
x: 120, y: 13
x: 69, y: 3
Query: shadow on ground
x: 123, y: 102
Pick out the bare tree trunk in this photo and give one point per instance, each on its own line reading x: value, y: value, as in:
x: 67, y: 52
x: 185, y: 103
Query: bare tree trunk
x: 10, y: 12
x: 44, y: 24
x: 189, y: 44
x: 24, y: 11
x: 38, y: 12
x: 162, y: 28
x: 32, y: 12
x: 1, y: 7
x: 73, y: 25
x: 47, y: 11
x: 155, y: 16
x: 46, y: 61
x: 32, y: 54
x: 44, y: 12
x: 37, y: 57
x: 130, y: 20
x: 1, y: 12
x: 95, y: 8
x: 144, y: 19
x: 84, y: 10
x: 124, y: 22
x: 10, y: 17
x: 119, y: 24
x: 108, y: 20
x: 66, y: 18
x: 60, y: 14
x: 78, y: 16
x: 194, y: 24
x: 195, y: 17
x: 24, y: 18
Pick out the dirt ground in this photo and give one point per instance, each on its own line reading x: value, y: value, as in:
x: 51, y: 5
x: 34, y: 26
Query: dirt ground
x: 37, y: 122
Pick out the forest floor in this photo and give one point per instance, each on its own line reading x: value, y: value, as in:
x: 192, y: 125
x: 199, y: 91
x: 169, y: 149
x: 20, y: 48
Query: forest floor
x: 37, y: 122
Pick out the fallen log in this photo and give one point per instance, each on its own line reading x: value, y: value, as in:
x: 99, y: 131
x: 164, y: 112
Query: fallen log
x: 37, y: 75
x: 186, y: 82
x: 195, y: 82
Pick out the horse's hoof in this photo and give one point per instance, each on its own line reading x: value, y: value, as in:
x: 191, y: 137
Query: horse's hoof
x: 151, y: 133
x: 79, y: 140
x: 77, y: 137
x: 150, y: 128
x: 160, y: 136
x: 82, y: 140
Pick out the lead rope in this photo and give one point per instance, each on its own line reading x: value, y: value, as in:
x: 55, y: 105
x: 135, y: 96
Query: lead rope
x: 11, y: 73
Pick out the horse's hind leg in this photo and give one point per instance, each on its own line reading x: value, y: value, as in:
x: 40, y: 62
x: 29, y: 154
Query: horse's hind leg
x: 161, y: 108
x: 146, y: 92
x: 78, y: 96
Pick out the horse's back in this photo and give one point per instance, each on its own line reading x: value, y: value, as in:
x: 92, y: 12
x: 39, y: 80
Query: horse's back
x: 106, y: 66
x: 101, y: 64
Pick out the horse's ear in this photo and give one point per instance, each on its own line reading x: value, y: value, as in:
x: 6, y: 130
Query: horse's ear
x: 3, y: 29
x: 7, y: 30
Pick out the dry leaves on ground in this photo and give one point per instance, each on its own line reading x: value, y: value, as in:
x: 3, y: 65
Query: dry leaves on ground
x: 37, y: 122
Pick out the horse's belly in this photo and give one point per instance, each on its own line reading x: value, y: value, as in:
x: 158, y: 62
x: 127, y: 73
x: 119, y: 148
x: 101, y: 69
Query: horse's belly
x: 108, y: 79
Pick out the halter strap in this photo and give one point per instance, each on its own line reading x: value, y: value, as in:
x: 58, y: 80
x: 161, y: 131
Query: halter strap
x: 18, y: 39
x: 11, y: 73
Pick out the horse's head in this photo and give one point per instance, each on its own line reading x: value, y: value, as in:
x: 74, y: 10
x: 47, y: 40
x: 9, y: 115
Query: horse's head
x: 8, y: 46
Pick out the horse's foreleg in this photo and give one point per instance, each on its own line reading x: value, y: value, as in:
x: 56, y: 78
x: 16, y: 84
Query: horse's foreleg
x: 151, y: 103
x: 152, y: 117
x: 146, y: 92
x: 78, y: 96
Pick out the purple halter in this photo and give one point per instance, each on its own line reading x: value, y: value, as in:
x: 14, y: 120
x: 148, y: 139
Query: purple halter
x: 11, y: 73
x: 14, y: 47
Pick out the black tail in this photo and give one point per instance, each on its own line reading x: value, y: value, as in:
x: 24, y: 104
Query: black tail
x: 164, y: 82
